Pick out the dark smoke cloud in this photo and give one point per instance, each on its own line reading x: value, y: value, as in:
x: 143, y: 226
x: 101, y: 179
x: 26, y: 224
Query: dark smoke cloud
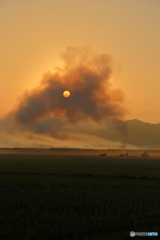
x: 86, y: 75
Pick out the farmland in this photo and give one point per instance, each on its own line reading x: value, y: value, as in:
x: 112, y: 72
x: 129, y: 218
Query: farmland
x: 68, y: 195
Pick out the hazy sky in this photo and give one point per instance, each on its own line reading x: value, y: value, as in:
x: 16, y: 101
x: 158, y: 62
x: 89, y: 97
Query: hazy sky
x: 34, y: 32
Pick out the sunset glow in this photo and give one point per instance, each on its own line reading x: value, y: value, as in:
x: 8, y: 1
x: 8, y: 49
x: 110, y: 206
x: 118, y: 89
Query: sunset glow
x: 80, y: 73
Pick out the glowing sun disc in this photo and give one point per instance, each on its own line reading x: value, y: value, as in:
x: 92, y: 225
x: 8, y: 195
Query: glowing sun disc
x: 66, y: 94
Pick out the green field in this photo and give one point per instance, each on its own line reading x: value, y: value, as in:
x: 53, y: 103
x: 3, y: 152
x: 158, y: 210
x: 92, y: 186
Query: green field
x: 60, y: 196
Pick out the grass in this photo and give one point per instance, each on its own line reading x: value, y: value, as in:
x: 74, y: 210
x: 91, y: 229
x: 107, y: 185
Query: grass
x: 78, y: 197
x: 67, y: 164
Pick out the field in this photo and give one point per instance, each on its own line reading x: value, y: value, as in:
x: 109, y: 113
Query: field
x: 75, y: 194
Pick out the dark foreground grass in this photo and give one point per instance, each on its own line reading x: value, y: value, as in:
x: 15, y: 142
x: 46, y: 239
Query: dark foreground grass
x: 65, y: 164
x: 70, y: 207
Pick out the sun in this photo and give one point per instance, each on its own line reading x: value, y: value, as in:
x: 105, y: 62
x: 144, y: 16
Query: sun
x: 66, y: 94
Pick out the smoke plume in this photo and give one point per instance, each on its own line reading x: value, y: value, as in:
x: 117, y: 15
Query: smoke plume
x: 87, y: 76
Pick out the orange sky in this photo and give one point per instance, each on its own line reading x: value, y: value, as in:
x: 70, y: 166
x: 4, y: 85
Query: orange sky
x: 33, y: 33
